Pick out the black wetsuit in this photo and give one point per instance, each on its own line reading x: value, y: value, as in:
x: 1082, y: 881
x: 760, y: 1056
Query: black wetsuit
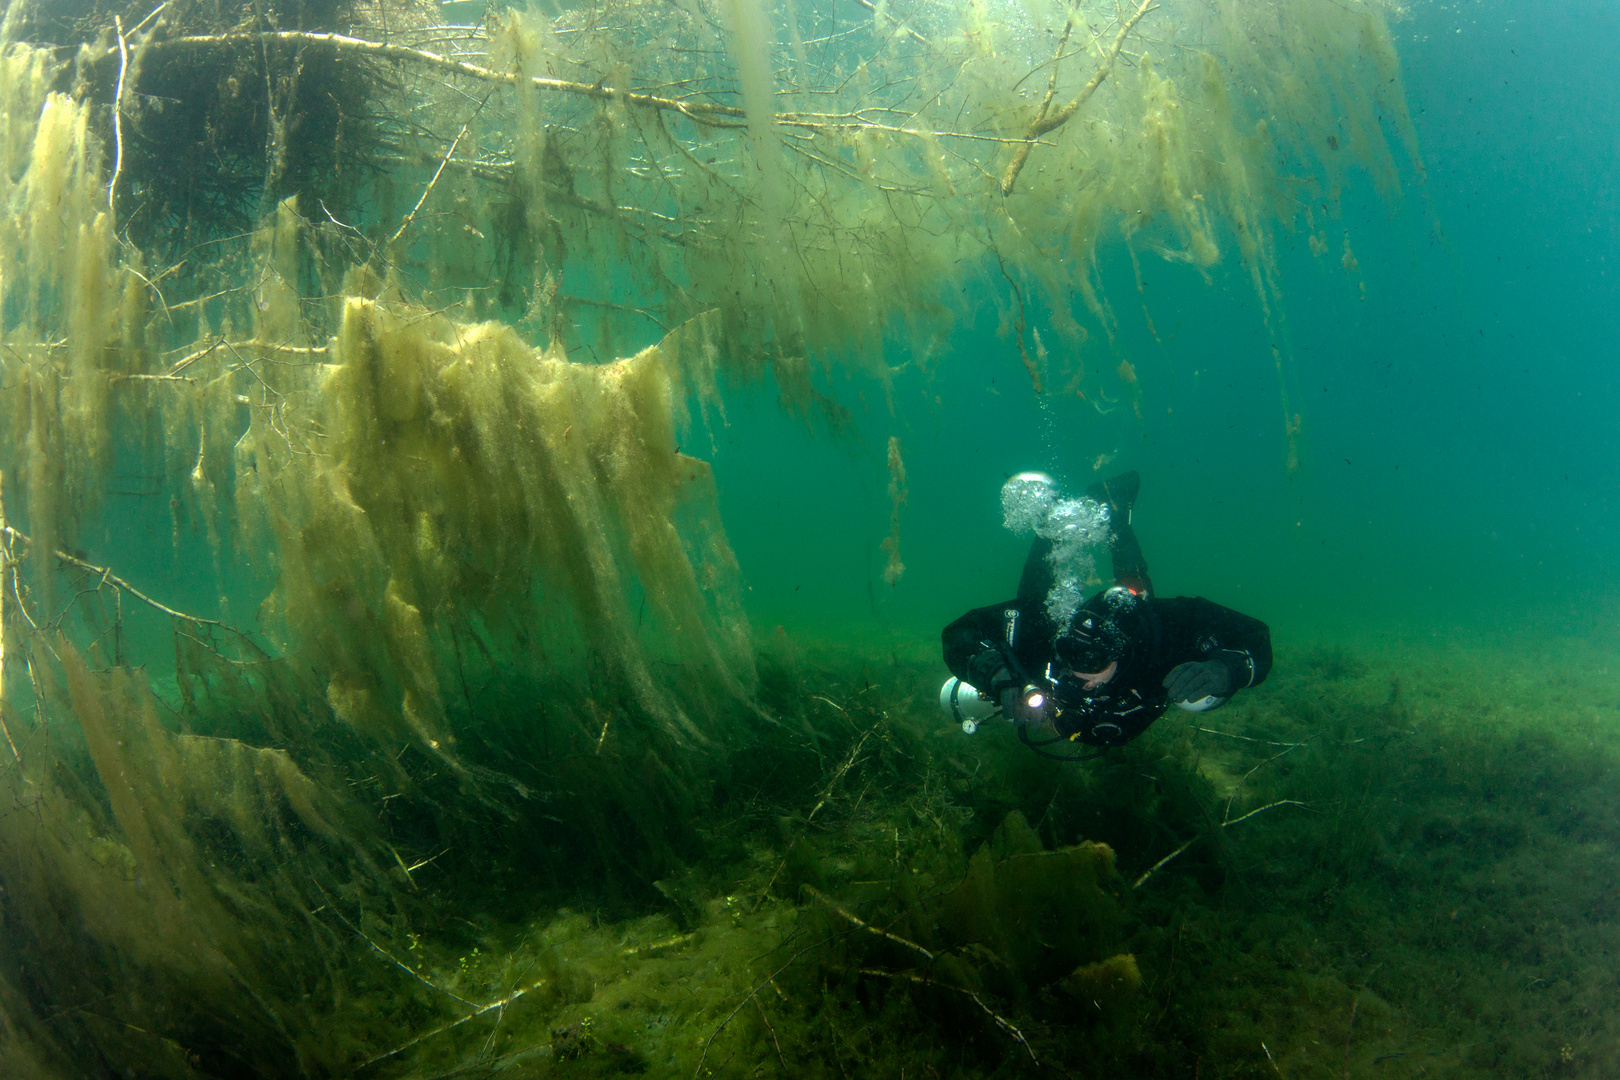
x: 1159, y: 635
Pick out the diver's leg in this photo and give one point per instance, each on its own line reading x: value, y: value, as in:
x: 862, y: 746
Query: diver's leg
x: 1119, y: 493
x: 1130, y: 565
x: 1036, y: 580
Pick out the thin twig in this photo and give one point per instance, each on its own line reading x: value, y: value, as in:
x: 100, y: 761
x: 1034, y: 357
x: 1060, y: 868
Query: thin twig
x: 1139, y: 882
x: 1245, y: 738
x: 867, y: 125
x: 864, y: 925
x: 478, y: 1011
x: 118, y: 122
x: 849, y: 763
x: 410, y: 217
x: 110, y: 578
x: 899, y: 25
x: 656, y: 947
x: 769, y: 980
x: 1289, y: 748
x: 1001, y: 1022
x: 826, y: 795
x: 4, y: 561
x: 1263, y: 809
x: 150, y: 284
x: 774, y: 1041
x: 1281, y: 754
x: 386, y: 955
x: 154, y: 13
x: 251, y: 343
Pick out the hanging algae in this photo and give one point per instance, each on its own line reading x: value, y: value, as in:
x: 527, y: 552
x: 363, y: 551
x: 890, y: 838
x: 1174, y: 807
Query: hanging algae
x: 180, y: 876
x: 897, y: 498
x: 467, y: 477
x: 328, y: 305
x: 613, y: 171
x: 55, y: 295
x: 406, y: 485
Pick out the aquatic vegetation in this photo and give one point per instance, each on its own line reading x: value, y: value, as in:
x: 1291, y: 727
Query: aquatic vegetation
x: 897, y: 498
x: 402, y: 327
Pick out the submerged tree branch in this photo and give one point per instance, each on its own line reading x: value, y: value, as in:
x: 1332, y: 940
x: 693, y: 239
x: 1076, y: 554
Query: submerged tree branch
x: 4, y: 561
x: 709, y: 114
x: 109, y: 578
x: 410, y: 217
x: 1044, y: 121
x: 1156, y: 867
x: 1000, y: 1021
x: 823, y: 898
x: 702, y: 112
x: 899, y: 24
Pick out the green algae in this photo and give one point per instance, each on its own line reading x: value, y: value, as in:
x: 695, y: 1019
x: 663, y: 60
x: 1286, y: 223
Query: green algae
x: 864, y: 889
x: 1438, y: 907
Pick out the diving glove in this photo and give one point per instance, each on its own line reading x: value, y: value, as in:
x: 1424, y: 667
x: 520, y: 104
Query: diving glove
x: 987, y: 672
x: 1196, y: 681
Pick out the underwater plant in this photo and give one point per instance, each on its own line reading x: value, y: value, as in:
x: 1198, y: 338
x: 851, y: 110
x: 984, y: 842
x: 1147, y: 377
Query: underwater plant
x: 400, y: 326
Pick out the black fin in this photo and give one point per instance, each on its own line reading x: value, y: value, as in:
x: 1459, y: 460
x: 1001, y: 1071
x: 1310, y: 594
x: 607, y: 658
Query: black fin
x: 1119, y: 493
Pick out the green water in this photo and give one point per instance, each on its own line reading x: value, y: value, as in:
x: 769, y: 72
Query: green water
x: 1398, y: 857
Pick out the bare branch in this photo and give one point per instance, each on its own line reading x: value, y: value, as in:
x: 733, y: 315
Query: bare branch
x: 108, y: 577
x: 118, y: 121
x: 707, y: 113
x: 823, y: 898
x: 410, y: 217
x: 4, y: 560
x: 1045, y: 122
x: 1263, y: 809
x: 769, y: 980
x: 1156, y: 867
x: 898, y: 24
x: 1001, y: 1022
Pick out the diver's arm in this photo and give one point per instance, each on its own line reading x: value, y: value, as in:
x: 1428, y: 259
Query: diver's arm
x: 1245, y: 645
x: 973, y: 645
x: 1216, y: 651
x: 1240, y: 642
x: 1000, y: 646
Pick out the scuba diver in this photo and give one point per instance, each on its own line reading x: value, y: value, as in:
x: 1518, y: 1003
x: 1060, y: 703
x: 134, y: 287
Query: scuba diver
x: 1097, y: 671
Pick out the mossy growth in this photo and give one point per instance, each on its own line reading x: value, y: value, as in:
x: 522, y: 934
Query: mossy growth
x: 1039, y: 914
x: 942, y: 929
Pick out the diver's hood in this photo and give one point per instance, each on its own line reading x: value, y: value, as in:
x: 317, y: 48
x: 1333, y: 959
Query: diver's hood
x: 1101, y: 632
